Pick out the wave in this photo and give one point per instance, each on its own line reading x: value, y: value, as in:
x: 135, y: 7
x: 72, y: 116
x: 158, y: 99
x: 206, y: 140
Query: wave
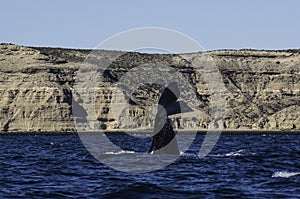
x: 118, y: 152
x: 131, y: 152
x: 182, y: 153
x: 284, y: 174
x: 235, y: 153
x: 231, y: 154
x: 141, y: 190
x: 240, y: 152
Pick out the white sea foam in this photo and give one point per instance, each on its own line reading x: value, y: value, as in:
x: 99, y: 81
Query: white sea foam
x: 187, y: 154
x: 284, y: 174
x: 118, y: 152
x: 231, y: 154
x: 235, y: 153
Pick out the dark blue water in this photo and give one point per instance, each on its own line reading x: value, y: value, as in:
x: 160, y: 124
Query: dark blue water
x: 240, y: 165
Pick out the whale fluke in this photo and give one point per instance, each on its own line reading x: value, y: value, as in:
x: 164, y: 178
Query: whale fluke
x: 169, y: 95
x: 164, y: 141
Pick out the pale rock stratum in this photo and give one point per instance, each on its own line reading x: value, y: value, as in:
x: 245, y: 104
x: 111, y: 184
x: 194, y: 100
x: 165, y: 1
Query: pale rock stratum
x: 36, y: 86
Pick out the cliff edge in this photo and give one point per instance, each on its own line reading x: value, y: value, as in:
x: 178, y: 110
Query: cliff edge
x: 36, y: 85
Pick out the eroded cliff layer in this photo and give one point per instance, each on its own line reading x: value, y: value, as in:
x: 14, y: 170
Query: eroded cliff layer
x: 37, y: 86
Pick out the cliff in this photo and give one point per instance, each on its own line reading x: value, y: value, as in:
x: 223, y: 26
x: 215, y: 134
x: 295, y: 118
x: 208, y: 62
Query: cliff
x: 36, y: 85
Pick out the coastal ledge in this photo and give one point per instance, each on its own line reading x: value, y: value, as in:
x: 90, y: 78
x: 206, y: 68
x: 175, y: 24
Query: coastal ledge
x: 36, y: 87
x: 137, y: 133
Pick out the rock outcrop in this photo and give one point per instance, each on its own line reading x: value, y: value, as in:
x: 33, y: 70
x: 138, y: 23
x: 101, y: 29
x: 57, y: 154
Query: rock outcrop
x: 37, y: 87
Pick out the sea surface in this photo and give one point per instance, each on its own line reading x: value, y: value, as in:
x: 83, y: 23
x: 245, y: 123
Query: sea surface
x: 241, y: 165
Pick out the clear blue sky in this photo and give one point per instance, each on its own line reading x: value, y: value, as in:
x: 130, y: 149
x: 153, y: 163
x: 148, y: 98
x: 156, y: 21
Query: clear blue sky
x: 223, y: 24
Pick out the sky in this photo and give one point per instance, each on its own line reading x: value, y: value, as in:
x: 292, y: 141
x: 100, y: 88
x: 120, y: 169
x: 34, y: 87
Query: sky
x: 215, y: 24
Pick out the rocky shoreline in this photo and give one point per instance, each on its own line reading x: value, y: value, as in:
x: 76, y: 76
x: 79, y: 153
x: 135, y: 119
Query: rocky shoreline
x: 36, y: 86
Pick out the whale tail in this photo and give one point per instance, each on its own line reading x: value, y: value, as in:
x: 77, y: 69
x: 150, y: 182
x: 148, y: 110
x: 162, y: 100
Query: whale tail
x: 164, y: 141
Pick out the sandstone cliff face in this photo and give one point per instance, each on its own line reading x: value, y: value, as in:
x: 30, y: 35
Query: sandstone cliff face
x: 37, y: 86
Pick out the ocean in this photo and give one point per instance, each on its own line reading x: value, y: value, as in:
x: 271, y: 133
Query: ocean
x: 241, y: 165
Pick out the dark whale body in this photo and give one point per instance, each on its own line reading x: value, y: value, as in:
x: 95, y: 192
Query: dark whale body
x: 164, y: 141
